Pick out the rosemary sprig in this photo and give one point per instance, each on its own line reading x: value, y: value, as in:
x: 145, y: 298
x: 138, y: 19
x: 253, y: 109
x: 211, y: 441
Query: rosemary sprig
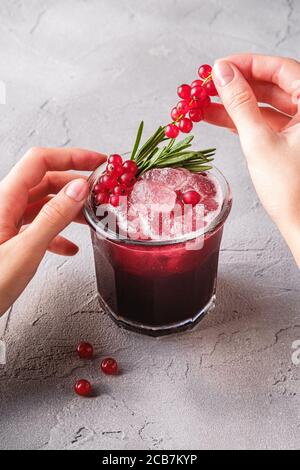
x: 174, y: 154
x: 137, y: 140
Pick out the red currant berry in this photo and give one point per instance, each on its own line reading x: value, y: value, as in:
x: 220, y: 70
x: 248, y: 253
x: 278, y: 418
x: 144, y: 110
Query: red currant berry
x: 83, y: 388
x: 98, y: 188
x: 120, y: 190
x: 184, y: 91
x: 115, y: 158
x: 114, y: 169
x: 171, y: 131
x: 183, y: 107
x: 102, y: 182
x: 196, y: 104
x: 127, y: 178
x: 109, y: 366
x: 101, y: 198
x: 175, y: 114
x: 185, y: 125
x: 204, y: 71
x: 191, y: 197
x: 198, y: 93
x: 196, y: 115
x: 109, y: 181
x: 210, y: 88
x: 196, y: 83
x: 206, y: 102
x: 85, y: 350
x: 114, y: 200
x: 130, y: 166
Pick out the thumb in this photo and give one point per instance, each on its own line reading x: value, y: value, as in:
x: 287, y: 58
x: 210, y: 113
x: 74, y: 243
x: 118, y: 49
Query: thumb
x: 239, y: 100
x: 59, y: 212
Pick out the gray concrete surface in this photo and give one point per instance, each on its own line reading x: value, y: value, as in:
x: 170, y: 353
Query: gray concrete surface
x: 84, y: 73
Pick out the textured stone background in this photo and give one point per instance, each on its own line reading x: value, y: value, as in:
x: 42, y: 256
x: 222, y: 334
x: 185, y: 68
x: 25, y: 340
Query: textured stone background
x: 84, y: 73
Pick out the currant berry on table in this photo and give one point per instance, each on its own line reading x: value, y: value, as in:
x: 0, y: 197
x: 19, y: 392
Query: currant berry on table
x: 85, y: 350
x: 83, y: 388
x: 109, y: 366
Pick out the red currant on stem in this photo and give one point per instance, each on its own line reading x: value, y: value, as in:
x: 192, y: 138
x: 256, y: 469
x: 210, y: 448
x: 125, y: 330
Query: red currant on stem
x: 183, y: 107
x: 199, y: 93
x: 109, y: 366
x: 184, y: 91
x: 191, y: 197
x: 185, y: 125
x: 114, y: 200
x: 196, y: 83
x: 101, y: 198
x: 196, y: 104
x: 128, y: 178
x: 114, y: 169
x: 109, y: 181
x: 210, y: 88
x: 115, y: 158
x: 85, y: 350
x: 120, y: 190
x: 83, y: 388
x: 175, y: 114
x: 171, y: 131
x: 196, y: 115
x: 130, y: 166
x: 98, y: 188
x: 206, y: 102
x: 204, y: 71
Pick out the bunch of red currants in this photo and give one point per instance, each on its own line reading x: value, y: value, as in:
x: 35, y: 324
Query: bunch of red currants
x: 117, y: 181
x: 194, y: 98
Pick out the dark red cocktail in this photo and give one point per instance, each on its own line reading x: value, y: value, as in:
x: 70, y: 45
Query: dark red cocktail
x: 155, y: 286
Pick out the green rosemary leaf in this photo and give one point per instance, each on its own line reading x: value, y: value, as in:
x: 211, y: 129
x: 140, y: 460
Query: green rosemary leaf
x: 185, y: 141
x: 177, y: 155
x: 137, y: 140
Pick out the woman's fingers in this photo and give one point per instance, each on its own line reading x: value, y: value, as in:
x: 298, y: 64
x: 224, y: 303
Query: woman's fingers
x: 34, y: 209
x: 63, y: 247
x: 269, y: 93
x: 56, y: 215
x: 52, y: 183
x: 59, y: 245
x: 29, y: 172
x: 281, y: 71
x: 216, y: 114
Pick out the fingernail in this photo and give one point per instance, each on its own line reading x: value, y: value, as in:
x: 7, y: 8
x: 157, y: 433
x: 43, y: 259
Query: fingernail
x: 223, y: 73
x: 77, y: 190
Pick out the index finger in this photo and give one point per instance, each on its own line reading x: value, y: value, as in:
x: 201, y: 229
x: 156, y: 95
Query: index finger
x: 29, y: 172
x: 281, y: 71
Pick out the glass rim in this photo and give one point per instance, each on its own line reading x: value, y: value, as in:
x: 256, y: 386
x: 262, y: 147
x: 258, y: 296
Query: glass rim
x: 214, y: 225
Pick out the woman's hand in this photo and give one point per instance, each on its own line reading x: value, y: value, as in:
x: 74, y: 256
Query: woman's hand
x: 270, y: 137
x: 38, y: 199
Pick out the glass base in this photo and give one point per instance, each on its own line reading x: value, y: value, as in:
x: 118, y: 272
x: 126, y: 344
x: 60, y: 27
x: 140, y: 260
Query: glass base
x: 159, y: 330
